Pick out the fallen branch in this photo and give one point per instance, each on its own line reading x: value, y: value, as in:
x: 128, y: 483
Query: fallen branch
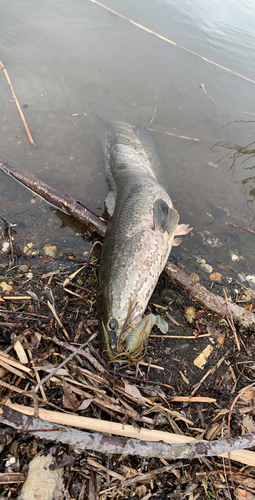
x: 82, y: 441
x: 62, y: 201
x: 207, y: 299
x: 74, y: 208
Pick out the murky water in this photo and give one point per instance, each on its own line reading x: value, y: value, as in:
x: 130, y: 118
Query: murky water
x: 75, y: 65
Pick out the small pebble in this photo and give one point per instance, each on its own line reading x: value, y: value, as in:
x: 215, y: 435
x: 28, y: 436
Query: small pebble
x: 207, y: 268
x: 24, y: 268
x: 172, y: 296
x: 52, y: 251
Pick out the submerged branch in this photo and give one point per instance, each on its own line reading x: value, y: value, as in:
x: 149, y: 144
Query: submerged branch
x: 62, y: 201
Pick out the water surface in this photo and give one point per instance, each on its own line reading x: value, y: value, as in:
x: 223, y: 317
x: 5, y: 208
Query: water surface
x: 76, y: 66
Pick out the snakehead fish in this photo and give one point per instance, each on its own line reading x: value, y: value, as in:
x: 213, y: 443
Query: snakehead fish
x: 139, y: 238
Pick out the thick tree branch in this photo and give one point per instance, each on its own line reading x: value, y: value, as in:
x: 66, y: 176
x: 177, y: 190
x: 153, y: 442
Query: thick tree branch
x: 62, y: 201
x: 207, y: 299
x: 118, y: 445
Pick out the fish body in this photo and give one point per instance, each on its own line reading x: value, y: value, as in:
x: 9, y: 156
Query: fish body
x: 139, y: 235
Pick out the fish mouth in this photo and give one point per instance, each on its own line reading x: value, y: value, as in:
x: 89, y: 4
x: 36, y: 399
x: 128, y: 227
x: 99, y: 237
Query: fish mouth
x: 120, y: 352
x: 117, y: 348
x: 130, y: 346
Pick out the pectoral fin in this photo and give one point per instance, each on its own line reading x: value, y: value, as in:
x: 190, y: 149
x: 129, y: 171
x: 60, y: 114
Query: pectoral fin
x: 139, y: 334
x: 165, y: 218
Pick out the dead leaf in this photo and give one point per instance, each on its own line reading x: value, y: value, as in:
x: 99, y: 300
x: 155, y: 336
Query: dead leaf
x: 194, y: 277
x: 35, y: 340
x: 247, y: 398
x: 20, y: 352
x: 202, y: 358
x: 69, y: 399
x: 190, y: 314
x: 248, y: 423
x: 217, y: 334
x: 133, y: 391
x: 241, y: 494
x: 5, y: 286
x: 85, y: 404
x: 216, y: 277
x: 141, y: 491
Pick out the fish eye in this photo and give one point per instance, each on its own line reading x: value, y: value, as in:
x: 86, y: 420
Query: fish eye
x: 113, y: 324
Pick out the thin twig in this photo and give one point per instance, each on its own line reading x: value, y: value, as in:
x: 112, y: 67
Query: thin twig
x: 155, y: 110
x: 50, y: 375
x: 171, y: 42
x: 18, y: 105
x: 231, y: 321
x: 203, y: 87
x: 242, y: 227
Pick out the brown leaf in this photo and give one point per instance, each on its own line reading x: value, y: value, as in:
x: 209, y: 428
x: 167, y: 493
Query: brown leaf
x: 85, y: 404
x: 216, y: 333
x: 241, y: 494
x: 247, y: 398
x: 141, y: 491
x: 194, y: 276
x: 35, y: 340
x: 202, y: 358
x: 5, y: 287
x: 216, y: 277
x: 190, y: 314
x: 69, y: 399
x: 248, y: 423
x: 133, y: 391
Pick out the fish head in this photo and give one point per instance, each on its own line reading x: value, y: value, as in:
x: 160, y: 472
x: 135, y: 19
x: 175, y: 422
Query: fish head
x: 116, y: 322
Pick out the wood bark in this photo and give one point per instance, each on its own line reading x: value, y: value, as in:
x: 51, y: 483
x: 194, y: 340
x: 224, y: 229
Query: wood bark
x: 82, y: 441
x: 207, y: 299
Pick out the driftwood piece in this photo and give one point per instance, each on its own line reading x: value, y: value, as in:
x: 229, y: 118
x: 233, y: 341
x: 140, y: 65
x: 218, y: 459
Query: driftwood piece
x: 74, y: 208
x: 62, y: 201
x: 207, y: 299
x: 118, y: 445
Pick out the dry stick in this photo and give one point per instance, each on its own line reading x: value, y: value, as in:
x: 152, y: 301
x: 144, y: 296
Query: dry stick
x: 231, y: 321
x: 18, y: 105
x: 50, y: 375
x: 54, y: 312
x: 174, y: 135
x: 203, y: 87
x: 210, y: 372
x: 242, y: 227
x: 86, y: 354
x: 172, y: 43
x: 64, y: 202
x: 155, y: 110
x: 191, y: 337
x: 154, y: 444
